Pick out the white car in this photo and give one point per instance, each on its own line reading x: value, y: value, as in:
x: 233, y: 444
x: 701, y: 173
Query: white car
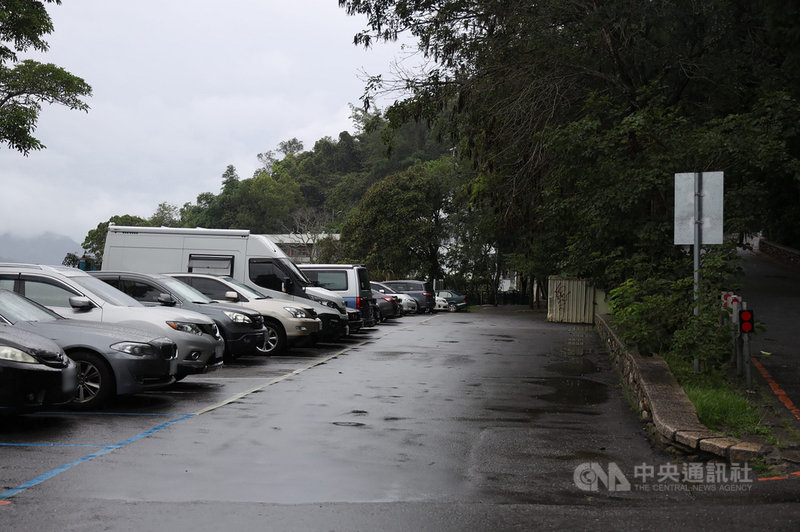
x: 441, y: 304
x: 73, y: 293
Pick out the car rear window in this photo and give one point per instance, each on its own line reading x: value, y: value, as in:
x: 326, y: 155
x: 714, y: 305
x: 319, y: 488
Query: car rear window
x: 330, y: 280
x: 363, y: 279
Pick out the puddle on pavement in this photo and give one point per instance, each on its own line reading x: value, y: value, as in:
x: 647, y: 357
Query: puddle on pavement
x: 349, y: 424
x: 572, y: 391
x: 574, y: 367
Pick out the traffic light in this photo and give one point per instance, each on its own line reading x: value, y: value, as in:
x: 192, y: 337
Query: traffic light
x: 746, y: 322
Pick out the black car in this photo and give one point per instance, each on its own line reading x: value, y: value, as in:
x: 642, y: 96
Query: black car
x: 242, y: 329
x: 386, y: 306
x: 420, y: 290
x: 34, y: 372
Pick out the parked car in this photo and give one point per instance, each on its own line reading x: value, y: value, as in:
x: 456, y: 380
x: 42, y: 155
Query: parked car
x: 34, y: 372
x: 455, y: 301
x: 408, y: 305
x: 293, y: 322
x: 441, y: 304
x: 111, y: 360
x: 242, y: 328
x: 386, y: 306
x: 420, y: 290
x: 350, y: 281
x: 74, y: 293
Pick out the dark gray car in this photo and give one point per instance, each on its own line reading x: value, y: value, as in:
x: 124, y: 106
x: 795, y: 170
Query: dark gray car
x: 242, y: 329
x: 111, y: 359
x: 419, y: 290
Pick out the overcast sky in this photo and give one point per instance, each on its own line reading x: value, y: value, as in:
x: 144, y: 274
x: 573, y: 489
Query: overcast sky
x: 181, y: 89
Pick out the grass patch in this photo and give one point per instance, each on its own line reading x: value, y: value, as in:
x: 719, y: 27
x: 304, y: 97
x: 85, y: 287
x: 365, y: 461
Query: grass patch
x: 725, y: 410
x: 718, y: 403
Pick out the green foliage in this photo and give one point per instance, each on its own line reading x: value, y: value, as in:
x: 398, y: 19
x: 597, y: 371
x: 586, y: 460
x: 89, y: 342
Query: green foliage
x: 401, y: 222
x: 95, y: 241
x: 26, y: 85
x: 657, y: 315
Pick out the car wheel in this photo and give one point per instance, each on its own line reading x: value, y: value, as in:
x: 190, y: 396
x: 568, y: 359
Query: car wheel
x: 378, y: 316
x: 274, y: 340
x: 95, y: 380
x: 452, y: 307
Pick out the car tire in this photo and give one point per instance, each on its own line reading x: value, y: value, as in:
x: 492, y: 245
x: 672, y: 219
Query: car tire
x: 452, y: 307
x: 96, y: 383
x: 275, y: 339
x: 379, y: 316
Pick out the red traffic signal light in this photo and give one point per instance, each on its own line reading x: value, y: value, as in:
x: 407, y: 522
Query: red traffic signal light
x: 746, y: 321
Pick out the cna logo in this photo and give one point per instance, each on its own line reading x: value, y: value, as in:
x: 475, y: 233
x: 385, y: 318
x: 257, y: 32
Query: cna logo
x: 589, y: 476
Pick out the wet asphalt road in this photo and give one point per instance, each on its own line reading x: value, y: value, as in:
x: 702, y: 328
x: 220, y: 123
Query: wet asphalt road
x: 772, y: 292
x: 468, y: 421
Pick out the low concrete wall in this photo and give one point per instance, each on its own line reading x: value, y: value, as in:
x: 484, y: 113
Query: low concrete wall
x: 662, y: 403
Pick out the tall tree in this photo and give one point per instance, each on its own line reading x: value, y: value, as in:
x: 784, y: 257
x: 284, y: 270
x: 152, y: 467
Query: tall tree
x: 518, y: 78
x: 416, y: 200
x: 26, y: 85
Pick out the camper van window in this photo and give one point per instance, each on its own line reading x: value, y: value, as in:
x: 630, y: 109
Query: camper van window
x: 266, y: 274
x: 211, y: 264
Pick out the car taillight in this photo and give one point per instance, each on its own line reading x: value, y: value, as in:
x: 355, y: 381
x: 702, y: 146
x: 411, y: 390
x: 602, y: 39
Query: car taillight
x: 426, y: 294
x: 359, y: 303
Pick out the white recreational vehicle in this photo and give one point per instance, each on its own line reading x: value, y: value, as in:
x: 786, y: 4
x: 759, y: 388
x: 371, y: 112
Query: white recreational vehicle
x: 251, y: 259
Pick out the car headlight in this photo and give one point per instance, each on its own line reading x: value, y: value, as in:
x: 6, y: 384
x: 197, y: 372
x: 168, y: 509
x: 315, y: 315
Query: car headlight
x: 296, y: 312
x: 238, y: 317
x: 16, y: 355
x: 134, y: 348
x: 185, y: 326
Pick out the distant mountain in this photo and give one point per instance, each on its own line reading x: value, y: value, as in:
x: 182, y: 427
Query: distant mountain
x: 47, y: 248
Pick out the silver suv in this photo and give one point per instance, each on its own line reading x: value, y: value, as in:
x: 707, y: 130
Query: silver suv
x: 75, y: 294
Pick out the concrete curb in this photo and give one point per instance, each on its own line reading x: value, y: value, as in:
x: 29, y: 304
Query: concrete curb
x: 662, y: 402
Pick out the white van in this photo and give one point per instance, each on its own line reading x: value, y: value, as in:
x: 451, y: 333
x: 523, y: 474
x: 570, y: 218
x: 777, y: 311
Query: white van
x: 351, y: 281
x: 254, y: 260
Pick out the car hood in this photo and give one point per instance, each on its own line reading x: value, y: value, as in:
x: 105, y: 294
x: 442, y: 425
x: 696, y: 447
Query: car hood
x: 30, y: 342
x: 322, y: 293
x: 68, y: 333
x: 163, y: 314
x: 274, y: 306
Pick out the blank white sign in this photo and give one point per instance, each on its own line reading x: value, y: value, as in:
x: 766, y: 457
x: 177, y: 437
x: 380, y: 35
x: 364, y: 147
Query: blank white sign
x: 711, y: 197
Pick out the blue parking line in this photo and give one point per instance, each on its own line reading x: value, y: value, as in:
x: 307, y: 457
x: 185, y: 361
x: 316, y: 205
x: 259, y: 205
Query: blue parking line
x: 103, y: 451
x: 99, y: 413
x: 8, y: 444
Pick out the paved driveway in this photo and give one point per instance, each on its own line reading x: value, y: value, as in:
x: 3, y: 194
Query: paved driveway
x: 489, y: 420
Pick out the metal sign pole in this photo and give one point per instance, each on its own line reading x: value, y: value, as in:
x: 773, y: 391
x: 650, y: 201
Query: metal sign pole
x: 698, y: 239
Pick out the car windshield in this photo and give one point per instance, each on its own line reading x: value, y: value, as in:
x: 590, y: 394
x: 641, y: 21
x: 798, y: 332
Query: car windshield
x: 105, y: 291
x: 249, y: 293
x: 294, y: 269
x: 186, y: 292
x: 15, y: 308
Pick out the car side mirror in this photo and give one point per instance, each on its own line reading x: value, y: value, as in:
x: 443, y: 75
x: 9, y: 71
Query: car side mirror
x: 81, y: 303
x: 230, y: 295
x: 166, y: 300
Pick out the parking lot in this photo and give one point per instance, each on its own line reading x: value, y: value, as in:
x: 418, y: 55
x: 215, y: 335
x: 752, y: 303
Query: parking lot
x: 446, y: 422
